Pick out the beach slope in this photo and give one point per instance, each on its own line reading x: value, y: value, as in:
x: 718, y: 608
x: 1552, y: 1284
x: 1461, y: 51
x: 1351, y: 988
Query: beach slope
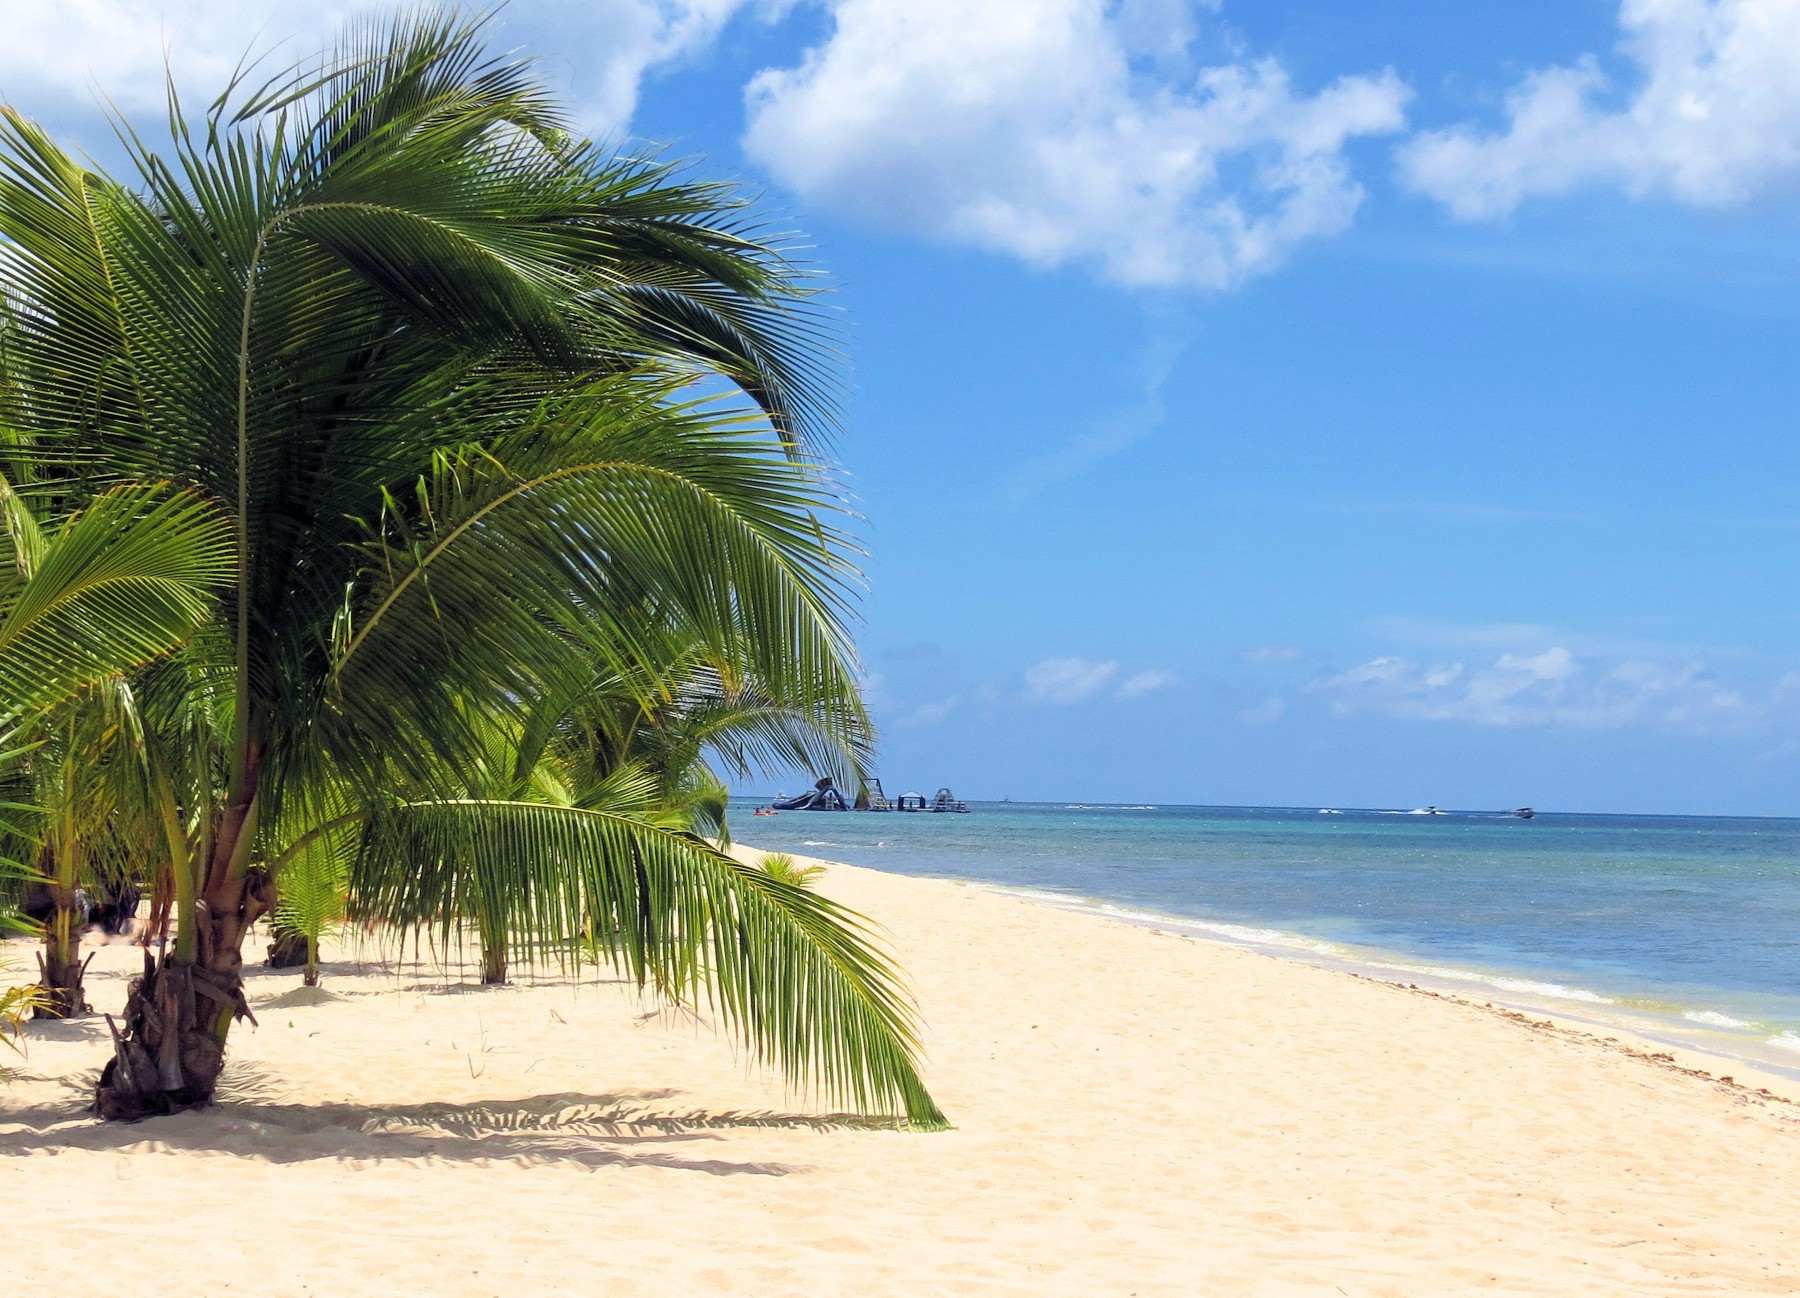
x: 1136, y: 1113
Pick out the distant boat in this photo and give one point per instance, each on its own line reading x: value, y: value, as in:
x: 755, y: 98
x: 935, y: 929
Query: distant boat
x: 1425, y: 811
x: 1329, y: 811
x: 1524, y: 813
x: 948, y: 801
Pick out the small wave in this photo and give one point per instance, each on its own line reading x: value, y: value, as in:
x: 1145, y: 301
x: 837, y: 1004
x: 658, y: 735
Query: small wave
x: 1528, y: 986
x: 1231, y: 932
x: 1786, y: 1041
x: 1713, y: 1019
x: 818, y: 842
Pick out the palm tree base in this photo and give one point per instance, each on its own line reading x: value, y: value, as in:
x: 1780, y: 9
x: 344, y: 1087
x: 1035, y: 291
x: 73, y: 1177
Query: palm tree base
x: 172, y: 1050
x: 178, y: 1013
x: 60, y: 991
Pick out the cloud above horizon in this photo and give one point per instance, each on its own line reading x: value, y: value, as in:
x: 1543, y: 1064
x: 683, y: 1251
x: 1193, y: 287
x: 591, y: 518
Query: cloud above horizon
x: 1552, y: 687
x: 67, y: 56
x: 1711, y: 117
x: 1062, y: 681
x: 1067, y: 133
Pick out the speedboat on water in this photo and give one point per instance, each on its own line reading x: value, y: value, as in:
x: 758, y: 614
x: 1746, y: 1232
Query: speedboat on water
x: 1424, y: 811
x: 1524, y: 813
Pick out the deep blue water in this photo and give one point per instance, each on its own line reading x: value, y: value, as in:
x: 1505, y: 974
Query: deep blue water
x: 1683, y: 927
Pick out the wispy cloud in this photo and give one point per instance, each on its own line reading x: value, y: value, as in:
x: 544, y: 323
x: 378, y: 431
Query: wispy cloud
x: 930, y: 714
x: 1111, y: 434
x: 1553, y: 687
x: 1266, y: 713
x: 1263, y: 655
x: 1068, y: 680
x: 1139, y: 684
x: 1075, y: 680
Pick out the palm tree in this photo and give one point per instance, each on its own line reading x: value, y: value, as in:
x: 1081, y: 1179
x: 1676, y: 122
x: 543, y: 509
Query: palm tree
x: 788, y: 870
x: 83, y: 600
x: 432, y: 358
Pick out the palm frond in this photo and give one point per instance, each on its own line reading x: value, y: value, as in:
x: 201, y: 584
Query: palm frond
x: 795, y: 976
x: 120, y: 583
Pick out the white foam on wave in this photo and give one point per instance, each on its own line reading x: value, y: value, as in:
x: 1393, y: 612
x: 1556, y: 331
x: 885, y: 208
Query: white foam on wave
x: 1244, y: 933
x: 1500, y: 982
x: 1786, y: 1041
x: 818, y: 842
x: 1714, y: 1019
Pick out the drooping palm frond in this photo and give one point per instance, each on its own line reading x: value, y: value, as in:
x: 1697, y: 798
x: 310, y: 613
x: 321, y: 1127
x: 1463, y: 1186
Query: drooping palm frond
x: 793, y: 975
x: 120, y: 583
x: 669, y: 517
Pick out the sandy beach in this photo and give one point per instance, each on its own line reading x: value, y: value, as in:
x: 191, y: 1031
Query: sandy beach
x: 1136, y: 1113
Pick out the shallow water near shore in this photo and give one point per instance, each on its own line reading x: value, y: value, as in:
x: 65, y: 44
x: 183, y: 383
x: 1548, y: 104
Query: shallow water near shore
x: 1681, y: 929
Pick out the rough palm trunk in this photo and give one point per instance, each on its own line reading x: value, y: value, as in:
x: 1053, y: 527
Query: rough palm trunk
x: 493, y: 959
x: 177, y: 1015
x: 60, y: 965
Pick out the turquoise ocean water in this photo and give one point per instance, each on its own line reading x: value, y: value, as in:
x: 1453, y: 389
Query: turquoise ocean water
x: 1682, y: 929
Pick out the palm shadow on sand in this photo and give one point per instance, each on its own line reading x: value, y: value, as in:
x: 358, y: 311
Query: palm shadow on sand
x: 621, y: 1129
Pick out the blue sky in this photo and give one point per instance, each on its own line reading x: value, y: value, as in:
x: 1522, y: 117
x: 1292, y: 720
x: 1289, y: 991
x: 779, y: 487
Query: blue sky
x: 1285, y: 403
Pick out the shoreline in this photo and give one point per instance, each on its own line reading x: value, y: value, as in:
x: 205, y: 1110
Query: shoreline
x: 1516, y: 991
x: 1705, y: 1023
x: 1133, y: 1114
x: 1681, y: 1055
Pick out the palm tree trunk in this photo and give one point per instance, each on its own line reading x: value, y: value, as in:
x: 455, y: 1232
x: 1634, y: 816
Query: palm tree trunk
x: 311, y: 977
x: 60, y: 965
x: 179, y: 1013
x: 493, y: 958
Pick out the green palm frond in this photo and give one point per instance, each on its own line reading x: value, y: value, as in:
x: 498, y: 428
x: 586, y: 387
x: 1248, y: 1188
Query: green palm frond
x: 793, y: 975
x: 120, y: 583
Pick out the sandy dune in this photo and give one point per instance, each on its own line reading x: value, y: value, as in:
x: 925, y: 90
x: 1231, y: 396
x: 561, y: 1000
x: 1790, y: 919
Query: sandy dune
x: 1136, y: 1114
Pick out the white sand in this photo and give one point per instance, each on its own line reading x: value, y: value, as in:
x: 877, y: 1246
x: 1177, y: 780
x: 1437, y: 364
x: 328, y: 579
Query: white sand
x: 1136, y: 1114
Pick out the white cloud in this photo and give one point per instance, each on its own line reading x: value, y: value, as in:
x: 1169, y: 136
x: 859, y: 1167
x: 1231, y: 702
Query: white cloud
x: 1141, y: 683
x: 1266, y: 713
x: 930, y: 714
x: 1274, y: 653
x: 59, y: 56
x: 1554, y: 687
x: 1067, y: 680
x: 1066, y: 132
x: 1711, y: 118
